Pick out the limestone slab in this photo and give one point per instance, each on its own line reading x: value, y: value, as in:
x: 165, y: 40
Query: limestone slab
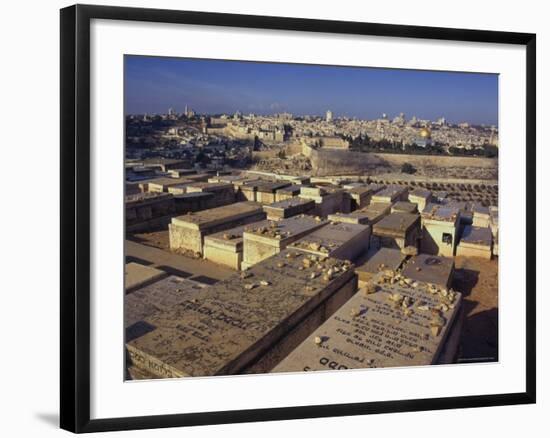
x: 161, y: 295
x: 338, y: 240
x: 232, y: 323
x: 288, y: 208
x: 384, y: 258
x: 373, y: 331
x: 265, y: 239
x: 430, y: 269
x: 136, y: 275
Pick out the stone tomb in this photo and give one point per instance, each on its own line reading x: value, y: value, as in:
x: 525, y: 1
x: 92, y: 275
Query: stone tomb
x: 327, y: 200
x: 391, y: 194
x: 288, y: 192
x: 160, y: 295
x: 440, y: 225
x: 266, y: 192
x: 475, y: 242
x: 481, y: 216
x: 247, y: 189
x: 398, y: 230
x: 430, y: 269
x: 395, y: 326
x: 187, y: 232
x: 404, y: 207
x: 288, y: 208
x: 162, y: 184
x: 136, y: 276
x: 339, y: 240
x: 225, y: 247
x: 224, y: 193
x: 376, y: 211
x: 420, y: 197
x: 355, y: 217
x: 266, y: 239
x: 142, y: 207
x: 360, y: 196
x: 244, y: 325
x: 384, y: 258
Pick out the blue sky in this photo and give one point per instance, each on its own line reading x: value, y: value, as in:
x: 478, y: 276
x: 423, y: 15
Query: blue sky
x: 154, y: 84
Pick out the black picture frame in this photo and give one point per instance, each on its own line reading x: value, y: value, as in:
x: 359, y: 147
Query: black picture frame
x: 75, y: 217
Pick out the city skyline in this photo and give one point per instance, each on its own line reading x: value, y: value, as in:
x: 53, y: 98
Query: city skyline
x: 154, y: 84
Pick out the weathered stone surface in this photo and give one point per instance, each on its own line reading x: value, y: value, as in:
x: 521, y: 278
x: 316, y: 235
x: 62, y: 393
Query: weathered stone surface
x: 265, y: 239
x: 394, y: 326
x: 225, y: 247
x: 136, y: 275
x: 375, y: 212
x: 384, y: 258
x: 338, y: 240
x: 391, y: 194
x: 355, y: 217
x: 430, y: 269
x: 404, y: 207
x: 439, y: 229
x: 161, y: 295
x: 188, y: 231
x: 288, y: 208
x: 398, y: 230
x: 230, y: 325
x: 162, y: 184
x: 475, y: 242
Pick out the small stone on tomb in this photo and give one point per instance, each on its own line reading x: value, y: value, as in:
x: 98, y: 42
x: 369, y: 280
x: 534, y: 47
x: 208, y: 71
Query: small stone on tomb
x: 318, y: 340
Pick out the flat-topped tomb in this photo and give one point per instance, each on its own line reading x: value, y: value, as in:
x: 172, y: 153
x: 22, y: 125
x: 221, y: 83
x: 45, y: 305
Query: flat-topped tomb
x: 187, y: 232
x: 246, y: 323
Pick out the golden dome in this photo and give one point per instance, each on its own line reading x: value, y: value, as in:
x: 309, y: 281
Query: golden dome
x: 425, y: 133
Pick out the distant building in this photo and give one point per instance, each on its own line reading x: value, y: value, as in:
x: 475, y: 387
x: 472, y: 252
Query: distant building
x: 424, y: 139
x: 328, y: 116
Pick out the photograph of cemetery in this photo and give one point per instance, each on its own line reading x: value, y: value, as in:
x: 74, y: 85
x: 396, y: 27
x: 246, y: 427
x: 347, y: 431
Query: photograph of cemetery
x: 296, y: 218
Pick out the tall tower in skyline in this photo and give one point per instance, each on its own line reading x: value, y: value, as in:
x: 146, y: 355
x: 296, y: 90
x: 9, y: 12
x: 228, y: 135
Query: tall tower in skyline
x: 328, y: 116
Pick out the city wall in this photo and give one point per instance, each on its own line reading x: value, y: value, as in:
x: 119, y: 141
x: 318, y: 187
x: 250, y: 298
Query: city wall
x: 334, y: 162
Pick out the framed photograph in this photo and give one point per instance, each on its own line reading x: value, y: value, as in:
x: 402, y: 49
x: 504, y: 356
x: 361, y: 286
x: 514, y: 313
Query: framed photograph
x: 268, y: 218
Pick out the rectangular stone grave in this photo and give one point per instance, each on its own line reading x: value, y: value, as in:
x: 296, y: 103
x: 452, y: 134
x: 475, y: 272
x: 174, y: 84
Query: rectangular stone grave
x: 404, y: 207
x: 377, y: 330
x: 360, y: 196
x: 136, y: 275
x: 287, y: 192
x: 440, y: 225
x: 339, y: 240
x: 266, y: 239
x: 143, y: 207
x: 384, y: 258
x: 288, y: 208
x: 430, y: 269
x: 246, y: 323
x: 391, y: 194
x: 355, y: 217
x: 420, y: 197
x: 160, y: 295
x: 266, y: 192
x: 481, y: 216
x: 162, y: 184
x: 187, y: 232
x: 328, y: 200
x: 376, y: 212
x: 475, y: 242
x: 398, y: 230
x: 224, y: 193
x: 225, y: 247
